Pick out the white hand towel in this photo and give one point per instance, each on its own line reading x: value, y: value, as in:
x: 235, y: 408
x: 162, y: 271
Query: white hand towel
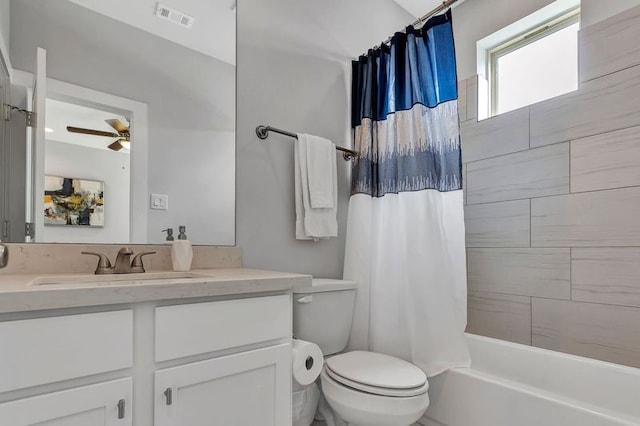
x: 313, y: 223
x: 321, y: 159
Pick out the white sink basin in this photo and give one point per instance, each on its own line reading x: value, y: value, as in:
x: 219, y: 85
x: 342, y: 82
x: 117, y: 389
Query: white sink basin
x: 107, y: 279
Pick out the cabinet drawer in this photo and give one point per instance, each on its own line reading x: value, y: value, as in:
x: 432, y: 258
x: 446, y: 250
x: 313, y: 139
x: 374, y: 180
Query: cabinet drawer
x: 197, y: 328
x: 45, y: 350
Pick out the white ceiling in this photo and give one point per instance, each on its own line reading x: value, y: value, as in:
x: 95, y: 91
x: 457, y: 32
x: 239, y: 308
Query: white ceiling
x: 213, y: 32
x: 60, y: 114
x: 214, y: 29
x: 335, y: 29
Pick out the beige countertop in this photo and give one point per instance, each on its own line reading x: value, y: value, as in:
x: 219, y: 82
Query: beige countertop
x: 18, y: 293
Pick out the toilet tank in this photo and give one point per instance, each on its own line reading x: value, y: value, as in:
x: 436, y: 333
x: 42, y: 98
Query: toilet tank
x: 323, y: 313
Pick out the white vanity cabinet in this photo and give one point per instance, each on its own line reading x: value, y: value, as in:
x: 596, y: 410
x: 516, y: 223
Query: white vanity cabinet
x: 223, y: 361
x: 247, y: 387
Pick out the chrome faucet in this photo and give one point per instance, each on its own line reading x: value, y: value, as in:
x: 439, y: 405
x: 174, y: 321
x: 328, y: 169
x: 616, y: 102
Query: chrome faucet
x: 123, y: 263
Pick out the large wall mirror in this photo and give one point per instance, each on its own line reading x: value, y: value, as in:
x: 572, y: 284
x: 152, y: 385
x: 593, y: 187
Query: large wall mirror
x: 137, y: 126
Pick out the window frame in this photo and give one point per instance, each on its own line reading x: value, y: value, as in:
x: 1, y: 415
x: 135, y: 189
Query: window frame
x: 533, y: 34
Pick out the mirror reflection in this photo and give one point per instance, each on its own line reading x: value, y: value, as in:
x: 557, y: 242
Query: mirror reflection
x: 137, y: 121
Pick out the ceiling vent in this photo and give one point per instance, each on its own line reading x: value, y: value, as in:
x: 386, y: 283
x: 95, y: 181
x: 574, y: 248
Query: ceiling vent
x: 174, y: 16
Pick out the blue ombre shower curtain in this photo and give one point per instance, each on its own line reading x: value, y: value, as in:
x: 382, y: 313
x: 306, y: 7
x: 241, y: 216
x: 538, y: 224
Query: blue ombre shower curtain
x: 405, y: 233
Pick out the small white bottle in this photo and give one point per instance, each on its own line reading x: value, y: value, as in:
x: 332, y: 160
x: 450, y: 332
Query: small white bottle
x: 181, y: 252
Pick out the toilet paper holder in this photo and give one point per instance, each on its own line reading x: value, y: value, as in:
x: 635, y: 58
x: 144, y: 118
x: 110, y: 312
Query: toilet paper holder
x: 308, y: 363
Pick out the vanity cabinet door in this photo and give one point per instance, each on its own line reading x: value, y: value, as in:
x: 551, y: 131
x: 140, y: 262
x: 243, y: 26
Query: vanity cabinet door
x: 104, y: 404
x: 246, y: 389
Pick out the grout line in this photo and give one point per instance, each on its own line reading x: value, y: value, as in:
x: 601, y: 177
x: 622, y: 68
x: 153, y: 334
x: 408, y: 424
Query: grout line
x: 530, y: 226
x: 499, y: 155
x: 531, y: 320
x: 555, y: 195
x: 530, y: 296
x: 535, y: 296
x: 480, y: 293
x: 529, y: 126
x: 604, y: 132
x: 570, y: 144
x: 515, y: 152
x: 570, y: 273
x: 580, y: 83
x: 605, y: 189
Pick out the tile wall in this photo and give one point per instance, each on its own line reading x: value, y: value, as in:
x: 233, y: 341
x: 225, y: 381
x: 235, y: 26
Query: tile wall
x: 552, y: 194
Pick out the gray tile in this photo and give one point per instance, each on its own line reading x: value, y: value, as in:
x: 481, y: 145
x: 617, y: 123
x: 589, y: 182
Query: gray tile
x: 601, y: 105
x: 610, y: 45
x: 504, y: 224
x: 472, y: 98
x: 524, y: 271
x: 605, y: 332
x: 494, y: 136
x: 500, y: 316
x: 464, y: 183
x: 533, y: 173
x: 483, y: 97
x: 609, y: 160
x: 596, y: 219
x: 462, y: 100
x: 606, y: 275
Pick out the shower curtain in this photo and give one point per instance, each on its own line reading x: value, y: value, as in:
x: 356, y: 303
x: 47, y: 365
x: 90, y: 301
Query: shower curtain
x: 405, y: 232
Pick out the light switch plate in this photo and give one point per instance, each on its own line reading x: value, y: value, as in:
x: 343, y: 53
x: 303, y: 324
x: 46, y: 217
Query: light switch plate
x: 159, y: 202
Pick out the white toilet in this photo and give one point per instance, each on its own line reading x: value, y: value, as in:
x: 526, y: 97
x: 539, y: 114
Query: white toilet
x: 363, y: 388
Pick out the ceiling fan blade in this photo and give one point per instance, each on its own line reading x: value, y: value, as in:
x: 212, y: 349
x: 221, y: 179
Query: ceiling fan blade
x: 118, y: 125
x: 92, y: 132
x: 116, y: 146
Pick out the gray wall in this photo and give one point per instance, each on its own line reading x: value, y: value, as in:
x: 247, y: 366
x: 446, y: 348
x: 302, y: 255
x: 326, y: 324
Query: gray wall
x: 5, y: 27
x: 294, y: 73
x: 553, y: 207
x: 296, y: 93
x: 190, y: 98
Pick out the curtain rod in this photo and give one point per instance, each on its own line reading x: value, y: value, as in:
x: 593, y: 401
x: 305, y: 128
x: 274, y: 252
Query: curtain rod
x: 263, y: 132
x: 423, y: 18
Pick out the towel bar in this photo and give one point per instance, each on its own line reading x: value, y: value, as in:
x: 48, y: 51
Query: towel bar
x: 263, y: 132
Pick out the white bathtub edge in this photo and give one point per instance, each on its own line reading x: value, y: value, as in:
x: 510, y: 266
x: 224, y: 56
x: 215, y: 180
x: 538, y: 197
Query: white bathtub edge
x: 519, y: 384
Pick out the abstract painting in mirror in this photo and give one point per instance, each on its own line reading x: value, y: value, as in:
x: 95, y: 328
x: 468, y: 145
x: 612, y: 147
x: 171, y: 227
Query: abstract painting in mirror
x: 73, y: 202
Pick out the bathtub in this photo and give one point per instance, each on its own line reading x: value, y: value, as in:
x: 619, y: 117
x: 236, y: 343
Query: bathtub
x: 509, y: 384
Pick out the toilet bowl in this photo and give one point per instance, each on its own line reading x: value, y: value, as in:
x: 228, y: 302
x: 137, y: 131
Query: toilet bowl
x: 371, y: 389
x: 361, y: 388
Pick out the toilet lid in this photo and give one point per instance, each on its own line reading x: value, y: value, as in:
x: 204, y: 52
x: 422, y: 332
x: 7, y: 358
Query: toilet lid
x: 377, y: 373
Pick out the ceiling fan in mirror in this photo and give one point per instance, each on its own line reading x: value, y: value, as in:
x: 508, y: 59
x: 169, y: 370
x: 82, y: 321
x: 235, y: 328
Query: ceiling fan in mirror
x: 123, y: 135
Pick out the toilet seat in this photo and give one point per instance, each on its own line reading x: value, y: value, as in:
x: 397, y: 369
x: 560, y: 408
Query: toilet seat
x: 377, y: 374
x: 361, y: 408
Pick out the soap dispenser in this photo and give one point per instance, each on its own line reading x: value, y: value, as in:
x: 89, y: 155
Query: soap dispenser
x: 169, y: 232
x: 181, y: 251
x: 182, y: 232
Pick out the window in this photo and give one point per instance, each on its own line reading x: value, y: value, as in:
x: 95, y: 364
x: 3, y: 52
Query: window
x: 536, y: 65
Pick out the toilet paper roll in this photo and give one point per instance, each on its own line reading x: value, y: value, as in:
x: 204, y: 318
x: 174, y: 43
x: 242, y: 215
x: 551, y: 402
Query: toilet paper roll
x: 307, y: 362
